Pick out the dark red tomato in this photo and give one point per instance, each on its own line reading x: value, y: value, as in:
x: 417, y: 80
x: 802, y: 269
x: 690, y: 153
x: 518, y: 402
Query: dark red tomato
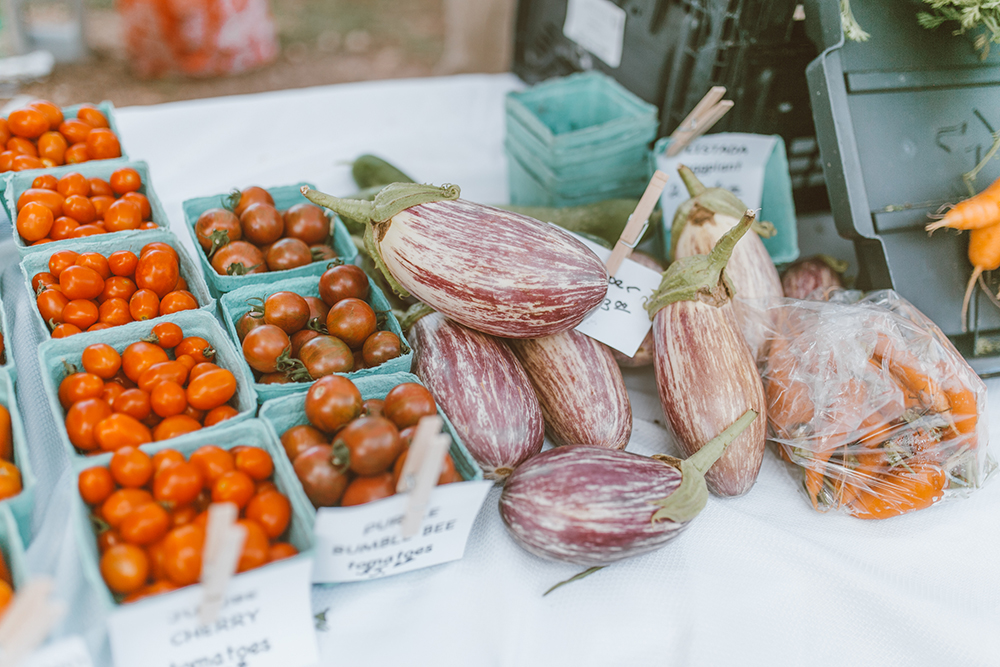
x: 372, y: 407
x: 322, y: 482
x: 317, y: 309
x: 352, y: 321
x: 332, y: 402
x: 325, y: 355
x: 288, y: 253
x: 263, y: 345
x: 274, y: 378
x: 322, y: 252
x: 380, y: 347
x: 217, y: 227
x: 308, y: 223
x: 262, y: 224
x: 448, y: 473
x: 367, y: 489
x: 300, y: 338
x: 249, y: 320
x: 406, y: 403
x: 373, y: 443
x: 238, y: 259
x: 298, y: 439
x: 406, y: 436
x: 286, y: 310
x: 342, y: 282
x: 242, y: 200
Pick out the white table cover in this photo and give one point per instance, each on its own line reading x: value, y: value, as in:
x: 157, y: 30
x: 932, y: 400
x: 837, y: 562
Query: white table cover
x: 757, y: 580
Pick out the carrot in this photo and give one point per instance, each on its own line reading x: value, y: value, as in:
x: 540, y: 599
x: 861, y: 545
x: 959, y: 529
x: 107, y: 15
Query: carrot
x: 905, y: 368
x: 903, y: 492
x: 984, y: 254
x: 975, y: 212
x: 832, y: 426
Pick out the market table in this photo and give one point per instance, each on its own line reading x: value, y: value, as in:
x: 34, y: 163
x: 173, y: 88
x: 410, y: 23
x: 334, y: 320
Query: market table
x: 761, y: 579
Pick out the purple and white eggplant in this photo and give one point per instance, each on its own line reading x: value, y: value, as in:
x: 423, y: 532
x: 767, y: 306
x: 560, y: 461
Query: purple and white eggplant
x: 580, y: 389
x: 491, y: 270
x: 480, y: 385
x: 813, y: 278
x: 705, y: 374
x: 593, y: 506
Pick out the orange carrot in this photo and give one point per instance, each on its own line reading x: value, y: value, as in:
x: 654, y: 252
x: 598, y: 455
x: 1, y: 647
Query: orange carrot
x: 904, y: 366
x: 902, y: 492
x: 984, y: 254
x: 975, y: 212
x: 832, y: 427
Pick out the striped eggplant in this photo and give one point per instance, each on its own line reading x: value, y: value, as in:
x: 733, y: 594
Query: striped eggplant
x: 580, y: 389
x: 644, y: 355
x: 480, y: 385
x: 705, y: 375
x: 491, y: 270
x: 593, y: 506
x: 813, y: 278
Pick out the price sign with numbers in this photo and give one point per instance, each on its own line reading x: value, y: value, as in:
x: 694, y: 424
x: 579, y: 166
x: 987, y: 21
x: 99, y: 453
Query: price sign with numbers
x: 621, y: 321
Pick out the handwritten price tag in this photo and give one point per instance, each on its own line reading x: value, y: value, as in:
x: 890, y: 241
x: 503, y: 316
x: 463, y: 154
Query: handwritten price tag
x: 70, y: 652
x: 729, y: 160
x: 266, y: 621
x: 366, y: 541
x: 621, y: 321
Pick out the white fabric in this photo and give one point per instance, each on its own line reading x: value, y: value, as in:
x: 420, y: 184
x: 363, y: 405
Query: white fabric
x: 757, y: 580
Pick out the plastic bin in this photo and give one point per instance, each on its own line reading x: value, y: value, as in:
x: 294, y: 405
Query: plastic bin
x: 284, y: 197
x: 58, y: 355
x: 22, y: 504
x: 235, y: 304
x: 899, y: 119
x: 106, y: 244
x: 19, y: 181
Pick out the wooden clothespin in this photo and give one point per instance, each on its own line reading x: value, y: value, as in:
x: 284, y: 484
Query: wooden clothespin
x: 421, y: 470
x: 701, y: 119
x: 637, y: 223
x: 223, y: 546
x: 28, y: 620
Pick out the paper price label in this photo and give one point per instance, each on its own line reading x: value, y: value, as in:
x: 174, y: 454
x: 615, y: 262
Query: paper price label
x: 265, y: 621
x: 727, y: 160
x: 366, y: 541
x: 598, y: 26
x: 621, y: 321
x: 69, y: 652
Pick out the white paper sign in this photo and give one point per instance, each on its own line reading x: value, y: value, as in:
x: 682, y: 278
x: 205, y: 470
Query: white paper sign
x: 621, y: 321
x: 729, y: 160
x: 265, y: 621
x: 598, y: 26
x: 69, y: 652
x: 366, y: 541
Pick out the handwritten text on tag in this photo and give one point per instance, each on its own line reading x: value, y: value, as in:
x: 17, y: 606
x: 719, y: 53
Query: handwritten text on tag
x: 621, y: 321
x: 366, y: 541
x: 266, y: 621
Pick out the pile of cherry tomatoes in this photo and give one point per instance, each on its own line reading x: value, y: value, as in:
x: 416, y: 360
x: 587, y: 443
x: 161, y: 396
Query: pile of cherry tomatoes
x: 38, y: 136
x: 88, y: 291
x: 74, y: 206
x: 143, y: 395
x: 352, y: 451
x: 252, y: 236
x: 10, y: 476
x: 291, y: 338
x: 152, y: 513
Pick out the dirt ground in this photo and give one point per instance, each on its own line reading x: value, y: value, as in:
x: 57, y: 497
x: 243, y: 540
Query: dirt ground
x: 322, y: 42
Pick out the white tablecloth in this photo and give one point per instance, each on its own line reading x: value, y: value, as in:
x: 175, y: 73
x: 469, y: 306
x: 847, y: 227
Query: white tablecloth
x: 757, y: 580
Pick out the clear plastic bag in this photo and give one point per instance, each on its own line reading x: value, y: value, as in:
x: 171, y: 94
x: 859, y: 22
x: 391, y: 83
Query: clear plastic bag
x: 873, y: 402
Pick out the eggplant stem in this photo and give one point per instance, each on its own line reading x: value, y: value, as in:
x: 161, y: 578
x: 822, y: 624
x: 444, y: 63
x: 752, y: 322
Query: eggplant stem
x: 414, y: 313
x: 691, y: 182
x: 576, y: 577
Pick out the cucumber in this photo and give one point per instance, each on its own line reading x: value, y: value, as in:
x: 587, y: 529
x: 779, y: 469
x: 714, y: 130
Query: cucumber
x: 369, y: 171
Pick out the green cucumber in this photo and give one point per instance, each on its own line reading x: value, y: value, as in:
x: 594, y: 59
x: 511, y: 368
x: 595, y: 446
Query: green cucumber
x: 369, y: 171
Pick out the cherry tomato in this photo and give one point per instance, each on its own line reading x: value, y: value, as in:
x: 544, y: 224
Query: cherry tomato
x: 248, y: 321
x: 112, y: 390
x: 255, y: 462
x: 308, y: 223
x: 10, y: 480
x: 233, y: 487
x: 165, y: 458
x: 342, y: 282
x: 42, y: 278
x: 200, y: 368
x: 5, y: 134
x: 406, y: 403
x: 448, y: 473
x: 367, y: 489
x: 73, y: 183
x: 286, y: 310
x: 27, y: 123
x: 53, y: 146
x: 352, y: 321
x: 25, y: 162
x: 51, y: 112
x: 273, y: 378
x: 6, y: 159
x: 142, y: 202
x: 80, y: 313
x: 211, y: 389
x: 332, y: 402
x: 241, y: 200
x: 325, y: 355
x: 101, y: 360
x: 95, y: 261
x: 114, y: 312
x: 22, y: 147
x: 124, y: 568
x: 77, y: 153
x: 65, y: 329
x: 125, y: 180
x: 178, y: 484
x: 92, y: 116
x: 144, y: 305
x: 373, y: 443
x: 34, y: 221
x: 181, y: 516
x: 157, y: 271
x: 80, y: 208
x: 168, y: 399
x: 107, y: 539
x: 102, y: 144
x: 45, y: 182
x: 300, y: 338
x: 323, y: 483
x: 98, y: 187
x: 372, y: 407
x: 219, y: 414
x: 95, y: 485
x: 175, y: 426
x: 48, y: 198
x: 131, y: 467
x: 263, y: 345
x: 61, y: 260
x: 239, y: 258
x: 213, y: 462
x: 217, y: 227
x: 51, y: 303
x: 145, y: 524
x: 122, y: 215
x: 121, y: 430
x: 122, y: 263
x: 167, y: 334
x: 78, y: 387
x: 81, y: 418
x: 280, y: 551
x: 182, y: 554
x: 118, y: 287
x: 197, y: 347
x: 255, y: 548
x: 63, y: 228
x: 86, y: 230
x: 121, y: 502
x: 177, y: 301
x: 164, y: 371
x: 262, y: 224
x: 139, y: 357
x: 288, y: 253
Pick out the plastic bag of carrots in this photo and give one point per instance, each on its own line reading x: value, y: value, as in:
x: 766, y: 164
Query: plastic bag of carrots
x: 874, y: 403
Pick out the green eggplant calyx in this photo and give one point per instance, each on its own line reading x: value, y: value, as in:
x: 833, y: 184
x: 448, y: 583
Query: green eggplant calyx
x: 691, y: 182
x: 693, y: 211
x: 690, y: 498
x: 371, y: 248
x: 700, y: 277
x: 414, y: 313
